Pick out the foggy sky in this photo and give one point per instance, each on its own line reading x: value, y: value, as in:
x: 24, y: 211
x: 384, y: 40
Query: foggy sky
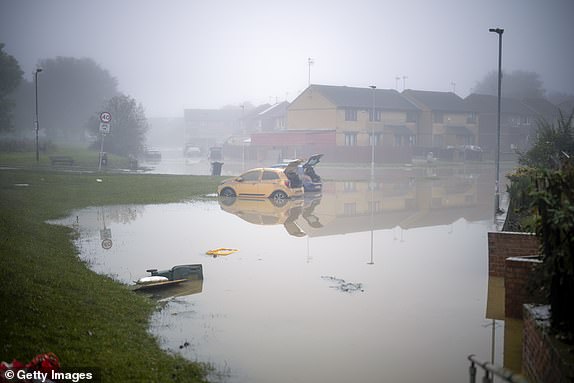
x: 176, y: 54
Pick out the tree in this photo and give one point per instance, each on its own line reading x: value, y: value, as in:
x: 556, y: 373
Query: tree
x: 553, y: 199
x: 553, y: 142
x: 517, y: 84
x: 69, y: 90
x: 10, y: 78
x: 128, y: 126
x: 542, y: 200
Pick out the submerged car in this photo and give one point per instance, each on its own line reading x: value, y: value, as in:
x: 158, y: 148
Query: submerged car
x: 306, y: 171
x: 275, y: 183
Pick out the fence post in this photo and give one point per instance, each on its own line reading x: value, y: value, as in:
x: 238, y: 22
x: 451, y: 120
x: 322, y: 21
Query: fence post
x: 472, y: 372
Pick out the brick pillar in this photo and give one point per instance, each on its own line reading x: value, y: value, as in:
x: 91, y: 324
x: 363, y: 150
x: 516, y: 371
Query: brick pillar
x: 517, y: 274
x: 502, y: 245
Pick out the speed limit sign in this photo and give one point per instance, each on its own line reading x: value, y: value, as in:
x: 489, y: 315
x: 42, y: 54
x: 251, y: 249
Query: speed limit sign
x: 107, y: 244
x: 105, y: 117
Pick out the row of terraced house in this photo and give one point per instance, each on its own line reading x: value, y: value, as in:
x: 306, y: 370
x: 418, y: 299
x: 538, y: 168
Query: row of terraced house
x: 345, y: 123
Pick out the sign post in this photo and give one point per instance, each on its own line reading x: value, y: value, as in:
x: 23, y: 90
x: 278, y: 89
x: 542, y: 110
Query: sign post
x: 105, y: 128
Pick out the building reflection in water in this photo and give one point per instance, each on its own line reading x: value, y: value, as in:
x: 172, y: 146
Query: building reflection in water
x: 400, y: 201
x: 396, y: 201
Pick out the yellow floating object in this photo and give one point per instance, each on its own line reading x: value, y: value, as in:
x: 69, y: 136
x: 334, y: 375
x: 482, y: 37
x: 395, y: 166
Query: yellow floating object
x: 221, y: 251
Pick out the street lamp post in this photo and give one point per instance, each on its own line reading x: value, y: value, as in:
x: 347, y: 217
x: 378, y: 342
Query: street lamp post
x: 497, y: 209
x: 36, y: 120
x: 373, y: 119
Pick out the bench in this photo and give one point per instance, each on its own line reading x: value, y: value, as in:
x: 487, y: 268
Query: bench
x: 62, y: 160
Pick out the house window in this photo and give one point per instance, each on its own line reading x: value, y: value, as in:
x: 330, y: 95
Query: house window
x: 377, y: 115
x: 350, y: 114
x: 468, y: 140
x: 349, y: 186
x: 438, y: 140
x: 375, y: 206
x: 471, y: 118
x: 412, y: 117
x: 438, y: 117
x: 350, y: 139
x: 374, y: 186
x: 403, y: 140
x: 350, y: 208
x: 374, y: 139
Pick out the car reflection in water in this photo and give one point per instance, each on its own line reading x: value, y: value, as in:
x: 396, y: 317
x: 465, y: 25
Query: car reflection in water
x: 265, y: 211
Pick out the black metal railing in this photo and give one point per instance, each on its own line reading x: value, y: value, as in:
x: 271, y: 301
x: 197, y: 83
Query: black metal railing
x: 491, y: 370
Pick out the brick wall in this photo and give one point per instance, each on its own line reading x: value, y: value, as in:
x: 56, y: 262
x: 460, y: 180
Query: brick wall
x: 517, y: 275
x: 544, y: 359
x: 502, y: 245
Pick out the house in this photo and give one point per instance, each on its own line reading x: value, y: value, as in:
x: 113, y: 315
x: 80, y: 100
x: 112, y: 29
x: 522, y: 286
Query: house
x: 360, y: 121
x: 543, y: 109
x: 205, y: 128
x: 445, y: 120
x: 517, y: 122
x: 250, y: 119
x: 273, y: 118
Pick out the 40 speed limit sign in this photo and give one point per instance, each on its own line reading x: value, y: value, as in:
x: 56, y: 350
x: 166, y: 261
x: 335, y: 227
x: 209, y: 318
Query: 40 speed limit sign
x: 105, y: 117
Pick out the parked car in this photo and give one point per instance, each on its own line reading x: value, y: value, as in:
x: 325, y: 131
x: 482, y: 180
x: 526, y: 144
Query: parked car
x: 276, y: 183
x: 152, y: 155
x: 191, y: 151
x: 306, y: 171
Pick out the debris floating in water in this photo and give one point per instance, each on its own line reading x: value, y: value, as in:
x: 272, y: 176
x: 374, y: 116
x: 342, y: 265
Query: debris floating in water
x: 221, y: 251
x: 341, y: 284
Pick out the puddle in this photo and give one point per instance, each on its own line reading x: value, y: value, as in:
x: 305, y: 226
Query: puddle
x: 366, y: 284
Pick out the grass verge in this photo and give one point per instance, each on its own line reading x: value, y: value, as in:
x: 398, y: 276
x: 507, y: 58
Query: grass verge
x: 50, y: 300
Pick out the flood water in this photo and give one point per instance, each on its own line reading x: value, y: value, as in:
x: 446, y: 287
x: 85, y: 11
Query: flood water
x: 370, y: 282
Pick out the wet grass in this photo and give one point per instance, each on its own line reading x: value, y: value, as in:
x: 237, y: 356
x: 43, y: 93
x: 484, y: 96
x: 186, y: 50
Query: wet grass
x: 51, y: 302
x: 84, y: 159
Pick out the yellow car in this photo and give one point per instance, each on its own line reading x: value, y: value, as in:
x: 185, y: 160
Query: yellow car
x: 274, y: 183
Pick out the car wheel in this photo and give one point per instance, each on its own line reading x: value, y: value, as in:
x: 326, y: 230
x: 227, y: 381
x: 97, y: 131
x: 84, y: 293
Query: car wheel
x: 279, y: 198
x: 227, y: 192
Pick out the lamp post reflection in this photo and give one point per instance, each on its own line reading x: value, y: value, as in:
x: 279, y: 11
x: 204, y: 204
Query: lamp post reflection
x: 37, y: 121
x: 372, y: 187
x: 372, y: 182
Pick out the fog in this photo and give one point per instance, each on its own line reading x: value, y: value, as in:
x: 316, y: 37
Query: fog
x: 206, y: 54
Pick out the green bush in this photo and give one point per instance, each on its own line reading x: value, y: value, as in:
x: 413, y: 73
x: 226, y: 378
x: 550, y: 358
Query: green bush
x: 553, y: 198
x: 542, y: 201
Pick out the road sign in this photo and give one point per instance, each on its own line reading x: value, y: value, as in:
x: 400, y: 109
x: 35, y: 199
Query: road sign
x: 105, y: 128
x: 105, y: 117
